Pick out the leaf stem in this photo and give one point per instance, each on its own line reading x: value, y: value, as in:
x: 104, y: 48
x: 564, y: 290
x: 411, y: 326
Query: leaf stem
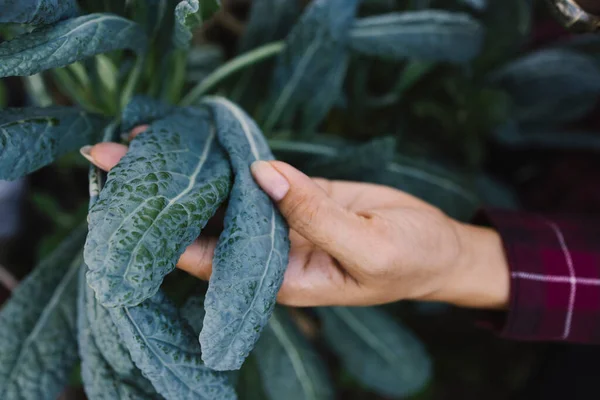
x: 133, y: 80
x: 249, y: 58
x: 38, y: 92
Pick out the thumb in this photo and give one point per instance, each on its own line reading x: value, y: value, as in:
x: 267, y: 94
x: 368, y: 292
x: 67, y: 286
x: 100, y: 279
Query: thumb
x: 309, y: 210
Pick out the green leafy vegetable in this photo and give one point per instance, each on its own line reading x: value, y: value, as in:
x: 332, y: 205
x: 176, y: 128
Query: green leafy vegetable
x: 376, y: 350
x: 104, y: 336
x: 289, y: 367
x: 36, y: 12
x: 429, y: 34
x: 188, y: 16
x: 38, y: 327
x: 154, y: 204
x: 193, y: 312
x: 550, y: 85
x: 309, y: 72
x: 164, y: 347
x: 252, y: 252
x: 31, y: 138
x: 101, y: 379
x: 269, y: 21
x: 143, y: 110
x: 69, y: 41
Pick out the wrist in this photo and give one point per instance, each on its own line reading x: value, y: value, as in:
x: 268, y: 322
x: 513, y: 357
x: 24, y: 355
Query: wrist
x: 481, y: 276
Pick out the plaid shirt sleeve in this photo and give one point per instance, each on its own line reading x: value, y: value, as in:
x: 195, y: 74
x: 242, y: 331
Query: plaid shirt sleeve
x: 555, y: 276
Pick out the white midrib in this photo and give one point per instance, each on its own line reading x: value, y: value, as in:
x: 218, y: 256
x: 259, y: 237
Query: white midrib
x: 45, y: 315
x: 295, y: 358
x: 254, y: 149
x: 175, y: 199
x: 369, y: 338
x: 242, y: 120
x: 157, y: 355
x: 98, y: 19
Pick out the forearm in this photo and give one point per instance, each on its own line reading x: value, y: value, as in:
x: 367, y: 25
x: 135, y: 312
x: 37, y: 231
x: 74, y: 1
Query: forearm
x: 482, y: 278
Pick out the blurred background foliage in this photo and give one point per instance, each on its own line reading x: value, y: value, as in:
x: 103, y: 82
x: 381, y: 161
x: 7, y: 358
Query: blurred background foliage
x: 452, y: 119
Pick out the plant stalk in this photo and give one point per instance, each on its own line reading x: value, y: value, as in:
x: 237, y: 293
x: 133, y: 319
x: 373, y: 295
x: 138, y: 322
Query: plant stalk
x: 238, y: 63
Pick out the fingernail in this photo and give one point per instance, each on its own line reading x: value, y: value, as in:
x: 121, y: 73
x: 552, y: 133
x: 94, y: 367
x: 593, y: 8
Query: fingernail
x: 270, y: 180
x: 86, y: 152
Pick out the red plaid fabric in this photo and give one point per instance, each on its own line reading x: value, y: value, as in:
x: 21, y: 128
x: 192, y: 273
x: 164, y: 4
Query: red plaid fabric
x: 555, y: 276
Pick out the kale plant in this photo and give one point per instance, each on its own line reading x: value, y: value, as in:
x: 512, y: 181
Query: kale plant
x: 105, y: 297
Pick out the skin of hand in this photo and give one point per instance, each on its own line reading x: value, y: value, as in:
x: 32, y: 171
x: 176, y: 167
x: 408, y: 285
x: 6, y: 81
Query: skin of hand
x: 362, y: 244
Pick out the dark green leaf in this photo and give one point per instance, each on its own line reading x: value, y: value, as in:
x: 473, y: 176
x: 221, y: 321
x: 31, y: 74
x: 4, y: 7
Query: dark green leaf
x: 379, y: 352
x: 99, y: 341
x: 551, y: 85
x: 269, y: 21
x: 429, y: 35
x: 252, y: 252
x: 289, y: 367
x: 38, y: 327
x: 193, y: 312
x: 36, y: 12
x: 69, y: 41
x: 106, y: 340
x: 546, y: 137
x: 143, y: 110
x: 31, y: 138
x: 249, y: 386
x: 310, y: 70
x: 154, y: 204
x: 188, y: 16
x: 164, y: 347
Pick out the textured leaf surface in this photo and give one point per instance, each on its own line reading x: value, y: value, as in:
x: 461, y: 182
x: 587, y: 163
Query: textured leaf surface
x: 36, y: 12
x: 193, y: 313
x: 101, y: 380
x: 312, y: 66
x: 164, y: 347
x: 289, y: 366
x: 188, y: 16
x: 551, y: 85
x: 31, y: 138
x: 143, y: 110
x: 106, y: 340
x: 38, y: 327
x: 153, y: 205
x: 252, y: 252
x: 429, y: 34
x: 69, y: 41
x: 381, y: 354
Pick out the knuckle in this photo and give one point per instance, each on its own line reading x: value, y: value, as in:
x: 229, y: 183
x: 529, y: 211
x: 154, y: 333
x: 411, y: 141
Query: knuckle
x: 304, y: 210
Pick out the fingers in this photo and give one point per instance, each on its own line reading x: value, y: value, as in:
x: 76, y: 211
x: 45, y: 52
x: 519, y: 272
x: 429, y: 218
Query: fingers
x: 106, y: 155
x: 311, y: 212
x: 197, y: 258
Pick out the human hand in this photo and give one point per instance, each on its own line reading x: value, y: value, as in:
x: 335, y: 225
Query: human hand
x: 362, y: 244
